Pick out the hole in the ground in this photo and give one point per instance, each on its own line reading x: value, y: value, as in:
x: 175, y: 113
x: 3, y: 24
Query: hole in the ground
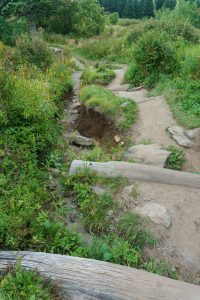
x: 94, y: 124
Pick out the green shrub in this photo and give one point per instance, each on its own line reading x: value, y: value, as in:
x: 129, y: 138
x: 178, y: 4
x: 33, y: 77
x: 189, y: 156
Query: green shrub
x: 33, y: 51
x: 114, y: 17
x: 175, y: 29
x: 176, y: 159
x: 153, y: 55
x: 20, y: 284
x: 191, y: 63
x: 5, y: 31
x: 107, y: 48
x: 115, y: 250
x: 133, y: 229
x: 99, y: 75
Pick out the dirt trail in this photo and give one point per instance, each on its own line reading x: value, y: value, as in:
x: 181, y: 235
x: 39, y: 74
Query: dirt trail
x: 179, y: 245
x: 154, y: 118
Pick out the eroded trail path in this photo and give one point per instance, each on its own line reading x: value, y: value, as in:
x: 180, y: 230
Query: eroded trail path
x: 154, y: 119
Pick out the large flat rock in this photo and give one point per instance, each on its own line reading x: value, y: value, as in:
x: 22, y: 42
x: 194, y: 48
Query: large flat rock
x: 152, y: 155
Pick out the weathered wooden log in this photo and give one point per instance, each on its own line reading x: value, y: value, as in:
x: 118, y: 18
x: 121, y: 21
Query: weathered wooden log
x: 90, y: 279
x: 138, y: 172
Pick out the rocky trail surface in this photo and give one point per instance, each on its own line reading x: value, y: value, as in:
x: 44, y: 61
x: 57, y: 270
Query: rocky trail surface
x: 154, y: 119
x: 172, y: 207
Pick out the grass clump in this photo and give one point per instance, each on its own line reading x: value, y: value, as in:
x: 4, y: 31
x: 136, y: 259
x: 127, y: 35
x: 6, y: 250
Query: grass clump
x: 99, y: 75
x: 176, y: 159
x: 114, y: 249
x: 20, y: 284
x: 133, y: 229
x: 110, y: 105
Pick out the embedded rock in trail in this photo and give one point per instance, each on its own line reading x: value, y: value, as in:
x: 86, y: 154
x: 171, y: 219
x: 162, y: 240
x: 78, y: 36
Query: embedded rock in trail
x: 120, y: 88
x: 79, y: 140
x: 193, y: 134
x: 157, y: 213
x: 56, y: 50
x: 152, y: 155
x: 180, y: 137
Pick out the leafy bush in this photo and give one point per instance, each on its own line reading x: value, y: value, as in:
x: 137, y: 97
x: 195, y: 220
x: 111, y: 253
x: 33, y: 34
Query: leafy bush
x: 20, y: 284
x: 107, y: 48
x: 33, y: 51
x: 99, y: 75
x: 176, y: 159
x: 88, y: 19
x: 114, y: 17
x: 153, y: 55
x: 175, y: 29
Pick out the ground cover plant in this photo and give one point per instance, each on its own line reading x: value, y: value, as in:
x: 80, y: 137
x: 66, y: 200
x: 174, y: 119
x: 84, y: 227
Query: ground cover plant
x: 98, y: 75
x: 110, y: 104
x: 20, y: 284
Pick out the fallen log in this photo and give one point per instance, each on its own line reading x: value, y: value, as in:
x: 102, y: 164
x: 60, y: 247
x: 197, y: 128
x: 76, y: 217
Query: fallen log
x: 90, y: 279
x: 138, y: 172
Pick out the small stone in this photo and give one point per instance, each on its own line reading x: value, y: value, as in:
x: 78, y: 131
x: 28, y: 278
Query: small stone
x: 79, y: 140
x: 157, y: 213
x: 125, y: 104
x: 117, y: 139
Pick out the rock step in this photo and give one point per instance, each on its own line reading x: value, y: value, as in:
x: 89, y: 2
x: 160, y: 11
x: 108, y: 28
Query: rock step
x: 138, y: 172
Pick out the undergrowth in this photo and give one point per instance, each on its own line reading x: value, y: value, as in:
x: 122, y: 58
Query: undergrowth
x: 110, y: 105
x: 19, y: 284
x: 176, y: 159
x: 99, y: 75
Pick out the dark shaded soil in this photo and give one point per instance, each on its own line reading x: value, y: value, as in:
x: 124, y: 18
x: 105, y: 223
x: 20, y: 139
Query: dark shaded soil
x: 94, y: 124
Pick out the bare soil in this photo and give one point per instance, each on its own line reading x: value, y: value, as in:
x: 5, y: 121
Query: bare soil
x: 180, y: 244
x: 154, y: 119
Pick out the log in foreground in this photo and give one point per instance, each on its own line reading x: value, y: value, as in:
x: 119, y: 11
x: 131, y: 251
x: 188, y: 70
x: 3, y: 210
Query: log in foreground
x: 90, y: 279
x: 138, y: 172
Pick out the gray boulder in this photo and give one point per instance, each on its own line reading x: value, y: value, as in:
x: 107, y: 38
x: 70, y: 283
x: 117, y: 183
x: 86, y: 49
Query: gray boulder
x: 79, y: 140
x: 178, y: 134
x: 157, y: 213
x: 151, y: 154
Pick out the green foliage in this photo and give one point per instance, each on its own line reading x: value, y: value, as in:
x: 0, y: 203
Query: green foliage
x: 176, y: 159
x: 105, y: 47
x: 153, y: 55
x: 191, y: 63
x: 94, y: 208
x: 159, y: 268
x: 132, y: 227
x: 20, y: 284
x: 148, y: 8
x: 99, y: 75
x: 115, y: 250
x: 110, y: 104
x: 114, y: 18
x: 176, y: 30
x: 88, y: 19
x: 33, y: 51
